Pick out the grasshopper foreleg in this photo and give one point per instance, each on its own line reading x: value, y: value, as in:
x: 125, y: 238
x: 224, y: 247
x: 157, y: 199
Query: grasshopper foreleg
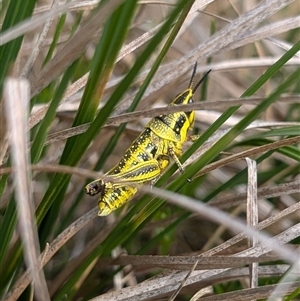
x: 175, y: 158
x: 193, y: 138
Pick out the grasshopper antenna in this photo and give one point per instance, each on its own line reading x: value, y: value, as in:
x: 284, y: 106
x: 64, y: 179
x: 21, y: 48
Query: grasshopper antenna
x: 193, y: 75
x: 201, y: 80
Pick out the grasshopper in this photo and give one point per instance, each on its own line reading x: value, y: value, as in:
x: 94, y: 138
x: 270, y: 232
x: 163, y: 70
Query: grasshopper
x: 149, y: 155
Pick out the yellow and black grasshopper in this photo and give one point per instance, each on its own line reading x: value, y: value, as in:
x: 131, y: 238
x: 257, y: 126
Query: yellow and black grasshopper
x: 148, y: 155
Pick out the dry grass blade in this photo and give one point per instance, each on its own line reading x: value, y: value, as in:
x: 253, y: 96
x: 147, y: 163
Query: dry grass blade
x: 204, y: 291
x: 50, y: 251
x: 262, y: 193
x: 224, y: 202
x: 137, y: 115
x: 252, y: 216
x: 283, y: 45
x: 243, y: 273
x: 250, y: 63
x: 247, y: 153
x: 188, y: 262
x: 213, y: 104
x: 36, y: 50
x: 52, y: 168
x: 254, y: 294
x: 31, y: 24
x: 266, y: 31
x: 175, y: 294
x: 252, y: 212
x: 16, y: 95
x: 218, y: 42
x: 74, y: 6
x: 64, y: 169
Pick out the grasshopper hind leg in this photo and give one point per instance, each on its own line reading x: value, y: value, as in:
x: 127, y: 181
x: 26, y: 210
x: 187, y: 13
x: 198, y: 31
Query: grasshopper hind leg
x: 163, y: 162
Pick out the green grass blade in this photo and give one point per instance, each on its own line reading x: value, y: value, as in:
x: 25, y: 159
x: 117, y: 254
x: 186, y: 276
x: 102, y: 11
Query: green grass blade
x: 7, y: 228
x: 17, y: 11
x: 58, y: 31
x: 42, y: 132
x: 86, y: 111
x: 283, y: 131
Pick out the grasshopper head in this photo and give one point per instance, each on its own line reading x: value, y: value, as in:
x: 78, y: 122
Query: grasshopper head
x: 187, y: 95
x: 95, y: 187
